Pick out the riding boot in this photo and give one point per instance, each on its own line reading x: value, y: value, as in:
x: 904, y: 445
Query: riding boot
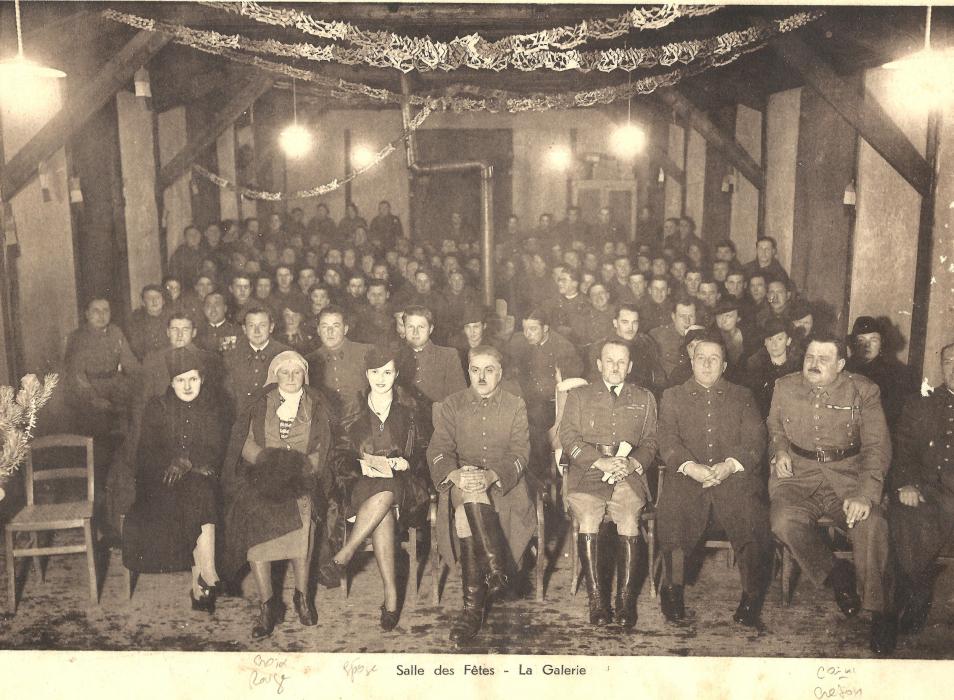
x: 596, y: 586
x: 474, y: 586
x: 491, y: 546
x: 627, y: 562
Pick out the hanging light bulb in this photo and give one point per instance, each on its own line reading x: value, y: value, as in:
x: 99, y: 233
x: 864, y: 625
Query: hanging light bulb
x: 559, y: 158
x: 362, y: 157
x: 628, y: 140
x: 295, y: 139
x: 928, y: 71
x: 19, y: 68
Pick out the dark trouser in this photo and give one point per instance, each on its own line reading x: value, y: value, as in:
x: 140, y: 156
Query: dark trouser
x: 793, y: 522
x: 540, y: 416
x: 682, y: 516
x: 920, y: 534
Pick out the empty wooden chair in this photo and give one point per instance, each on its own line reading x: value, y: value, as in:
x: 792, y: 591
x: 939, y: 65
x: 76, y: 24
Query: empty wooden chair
x: 68, y: 515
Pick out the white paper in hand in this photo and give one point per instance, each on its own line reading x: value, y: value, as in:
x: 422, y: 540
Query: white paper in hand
x: 375, y: 467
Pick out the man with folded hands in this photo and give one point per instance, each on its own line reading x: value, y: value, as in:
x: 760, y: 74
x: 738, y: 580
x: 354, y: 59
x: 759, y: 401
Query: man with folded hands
x: 712, y: 440
x: 608, y: 430
x: 830, y: 451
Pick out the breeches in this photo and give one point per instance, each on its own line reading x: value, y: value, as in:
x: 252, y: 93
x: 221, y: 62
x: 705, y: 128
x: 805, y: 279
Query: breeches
x: 622, y: 507
x: 794, y: 520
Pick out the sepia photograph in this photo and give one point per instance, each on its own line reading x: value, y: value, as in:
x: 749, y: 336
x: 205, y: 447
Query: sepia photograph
x: 475, y: 343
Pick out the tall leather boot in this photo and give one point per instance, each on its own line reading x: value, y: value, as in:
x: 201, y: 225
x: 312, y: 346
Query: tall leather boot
x: 627, y: 562
x: 591, y: 561
x: 467, y: 625
x: 491, y: 546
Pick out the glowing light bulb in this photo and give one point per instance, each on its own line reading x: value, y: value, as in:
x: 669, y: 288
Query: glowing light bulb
x: 627, y: 141
x: 295, y: 140
x: 21, y: 68
x: 559, y: 158
x: 361, y: 157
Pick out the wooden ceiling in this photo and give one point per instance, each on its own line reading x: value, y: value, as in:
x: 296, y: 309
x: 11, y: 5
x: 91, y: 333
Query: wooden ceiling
x: 74, y: 36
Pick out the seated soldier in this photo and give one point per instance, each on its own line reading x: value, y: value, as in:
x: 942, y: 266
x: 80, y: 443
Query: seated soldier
x: 609, y: 432
x: 712, y: 439
x: 478, y: 452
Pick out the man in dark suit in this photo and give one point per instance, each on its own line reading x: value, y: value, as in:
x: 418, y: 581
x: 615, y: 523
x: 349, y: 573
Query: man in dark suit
x: 870, y: 358
x: 922, y: 501
x: 608, y: 430
x: 712, y: 440
x: 830, y: 452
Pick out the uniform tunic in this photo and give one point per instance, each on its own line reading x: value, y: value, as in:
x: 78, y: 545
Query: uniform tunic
x: 246, y: 370
x: 432, y: 373
x: 147, y: 333
x: 846, y: 415
x: 594, y: 416
x: 672, y: 349
x: 489, y: 433
x: 220, y: 338
x: 925, y: 459
x: 99, y: 365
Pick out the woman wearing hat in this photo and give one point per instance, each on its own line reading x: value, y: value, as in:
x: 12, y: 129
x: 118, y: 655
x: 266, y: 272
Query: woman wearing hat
x: 171, y: 526
x: 380, y: 461
x: 276, y: 480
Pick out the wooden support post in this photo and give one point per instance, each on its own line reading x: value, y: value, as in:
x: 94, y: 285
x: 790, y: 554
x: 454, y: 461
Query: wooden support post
x: 862, y: 111
x: 925, y: 256
x: 258, y: 83
x: 88, y: 100
x: 727, y: 145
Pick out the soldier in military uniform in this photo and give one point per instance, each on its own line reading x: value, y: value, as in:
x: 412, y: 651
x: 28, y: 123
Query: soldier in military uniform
x: 671, y: 337
x: 712, y: 440
x: 338, y: 365
x: 246, y: 364
x: 428, y: 371
x: 608, y: 430
x: 215, y: 332
x: 478, y: 455
x: 100, y: 371
x: 570, y: 310
x: 922, y: 503
x: 830, y: 452
x: 147, y: 327
x: 646, y: 370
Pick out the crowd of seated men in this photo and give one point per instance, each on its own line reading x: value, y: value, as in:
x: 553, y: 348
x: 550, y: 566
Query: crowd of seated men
x: 346, y: 370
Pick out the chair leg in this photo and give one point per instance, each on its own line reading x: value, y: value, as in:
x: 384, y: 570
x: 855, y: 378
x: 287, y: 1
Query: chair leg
x: 651, y: 547
x: 11, y: 571
x: 541, y: 550
x: 412, y: 557
x: 91, y: 562
x: 787, y: 570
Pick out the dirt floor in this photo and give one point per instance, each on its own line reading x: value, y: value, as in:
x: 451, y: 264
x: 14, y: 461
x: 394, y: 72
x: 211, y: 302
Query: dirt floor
x: 57, y: 614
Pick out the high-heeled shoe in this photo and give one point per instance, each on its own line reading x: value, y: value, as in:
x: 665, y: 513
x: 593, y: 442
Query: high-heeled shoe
x: 206, y: 601
x: 389, y: 619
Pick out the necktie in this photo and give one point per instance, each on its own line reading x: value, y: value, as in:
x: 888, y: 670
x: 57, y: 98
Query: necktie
x: 615, y: 390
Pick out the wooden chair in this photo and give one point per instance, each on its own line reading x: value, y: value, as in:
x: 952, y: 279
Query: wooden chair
x: 412, y: 541
x: 35, y: 518
x: 438, y: 565
x: 790, y: 566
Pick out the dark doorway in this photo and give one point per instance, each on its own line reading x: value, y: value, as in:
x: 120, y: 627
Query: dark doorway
x: 435, y: 197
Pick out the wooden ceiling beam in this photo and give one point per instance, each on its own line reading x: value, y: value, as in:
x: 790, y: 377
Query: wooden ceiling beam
x: 862, y: 111
x: 737, y: 156
x: 93, y: 92
x: 256, y: 83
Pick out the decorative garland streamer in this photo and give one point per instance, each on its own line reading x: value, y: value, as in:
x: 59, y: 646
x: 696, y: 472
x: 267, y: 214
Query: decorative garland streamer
x: 627, y: 59
x: 474, y: 51
x: 317, y: 191
x: 487, y: 100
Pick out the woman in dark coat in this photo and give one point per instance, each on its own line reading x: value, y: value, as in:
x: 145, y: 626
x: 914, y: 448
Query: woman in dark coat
x: 276, y: 480
x: 382, y: 427
x: 171, y: 526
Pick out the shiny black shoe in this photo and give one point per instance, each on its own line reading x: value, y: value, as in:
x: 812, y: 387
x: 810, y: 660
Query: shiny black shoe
x: 331, y: 574
x: 884, y: 633
x: 842, y: 579
x: 271, y: 612
x: 914, y: 614
x: 389, y: 619
x: 672, y: 603
x: 747, y: 614
x: 305, y: 608
x: 206, y: 601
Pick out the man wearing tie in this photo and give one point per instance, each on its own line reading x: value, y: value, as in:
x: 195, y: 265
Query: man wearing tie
x: 246, y: 364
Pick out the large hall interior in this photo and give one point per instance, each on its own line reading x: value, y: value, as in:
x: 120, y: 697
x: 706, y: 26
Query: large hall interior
x: 548, y: 182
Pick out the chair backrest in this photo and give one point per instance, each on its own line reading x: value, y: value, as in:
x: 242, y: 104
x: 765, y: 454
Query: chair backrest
x: 60, y: 441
